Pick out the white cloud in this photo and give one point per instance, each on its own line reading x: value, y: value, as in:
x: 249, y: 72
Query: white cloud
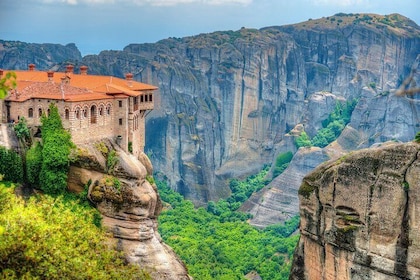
x: 152, y: 2
x: 340, y: 3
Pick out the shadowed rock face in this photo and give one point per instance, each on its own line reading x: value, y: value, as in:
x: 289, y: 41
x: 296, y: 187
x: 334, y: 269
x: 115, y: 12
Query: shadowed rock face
x: 129, y: 205
x: 359, y: 216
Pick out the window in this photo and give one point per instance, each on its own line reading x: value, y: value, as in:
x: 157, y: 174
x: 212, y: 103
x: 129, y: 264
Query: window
x: 77, y: 113
x: 67, y: 114
x: 93, y: 114
x: 141, y: 99
x: 150, y: 98
x: 108, y: 110
x: 119, y: 103
x: 30, y: 113
x: 120, y: 121
x: 84, y: 113
x: 145, y: 98
x: 39, y: 112
x: 100, y: 110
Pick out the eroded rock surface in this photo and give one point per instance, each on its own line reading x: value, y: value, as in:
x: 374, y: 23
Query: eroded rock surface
x: 360, y: 216
x: 129, y: 204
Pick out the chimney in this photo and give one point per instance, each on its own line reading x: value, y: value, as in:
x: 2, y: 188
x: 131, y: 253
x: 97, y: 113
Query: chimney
x: 129, y: 78
x: 83, y: 70
x: 69, y: 69
x: 50, y: 76
x: 31, y: 67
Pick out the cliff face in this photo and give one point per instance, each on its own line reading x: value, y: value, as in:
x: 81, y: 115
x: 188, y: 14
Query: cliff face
x: 359, y: 216
x: 227, y: 100
x: 129, y: 205
x: 17, y: 55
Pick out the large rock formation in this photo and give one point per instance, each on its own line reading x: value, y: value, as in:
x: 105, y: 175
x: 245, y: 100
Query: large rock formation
x: 119, y: 187
x: 359, y: 216
x: 17, y: 55
x: 227, y: 100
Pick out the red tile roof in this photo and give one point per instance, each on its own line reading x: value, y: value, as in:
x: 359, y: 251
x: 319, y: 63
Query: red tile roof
x: 73, y: 87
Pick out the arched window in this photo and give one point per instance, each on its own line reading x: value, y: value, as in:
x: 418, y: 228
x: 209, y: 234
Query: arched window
x: 85, y: 112
x: 77, y: 113
x: 108, y: 110
x: 101, y: 110
x: 39, y: 112
x: 93, y: 114
x: 30, y: 113
x: 67, y: 114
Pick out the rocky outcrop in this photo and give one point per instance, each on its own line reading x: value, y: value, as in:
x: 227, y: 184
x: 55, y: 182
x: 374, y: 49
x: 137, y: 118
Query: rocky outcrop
x: 359, y: 216
x: 278, y: 201
x: 119, y: 186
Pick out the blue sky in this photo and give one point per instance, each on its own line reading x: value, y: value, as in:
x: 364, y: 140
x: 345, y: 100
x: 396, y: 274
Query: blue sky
x: 95, y: 25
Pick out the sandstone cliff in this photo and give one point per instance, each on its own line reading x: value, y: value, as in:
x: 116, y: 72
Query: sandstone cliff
x: 359, y: 216
x: 119, y: 187
x: 228, y: 99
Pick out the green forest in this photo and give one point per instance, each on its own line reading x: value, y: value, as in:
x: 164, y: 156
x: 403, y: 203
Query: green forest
x: 218, y: 243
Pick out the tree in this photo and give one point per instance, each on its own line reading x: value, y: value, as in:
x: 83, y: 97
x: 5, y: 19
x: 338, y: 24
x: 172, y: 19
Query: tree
x: 417, y: 138
x: 22, y: 132
x: 7, y: 83
x: 56, y: 149
x: 303, y: 140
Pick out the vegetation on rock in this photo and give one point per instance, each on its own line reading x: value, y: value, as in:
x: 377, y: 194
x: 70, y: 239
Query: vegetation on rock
x: 282, y: 162
x: 332, y: 126
x: 417, y: 138
x: 54, y: 238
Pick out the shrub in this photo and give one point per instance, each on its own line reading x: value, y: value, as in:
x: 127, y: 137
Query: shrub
x: 33, y: 164
x: 47, y: 238
x: 111, y: 161
x: 22, y: 131
x: 11, y: 165
x: 303, y: 140
x: 417, y: 138
x: 282, y: 161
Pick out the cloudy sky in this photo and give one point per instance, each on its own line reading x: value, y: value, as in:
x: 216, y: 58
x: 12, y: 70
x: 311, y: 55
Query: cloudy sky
x: 95, y: 25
